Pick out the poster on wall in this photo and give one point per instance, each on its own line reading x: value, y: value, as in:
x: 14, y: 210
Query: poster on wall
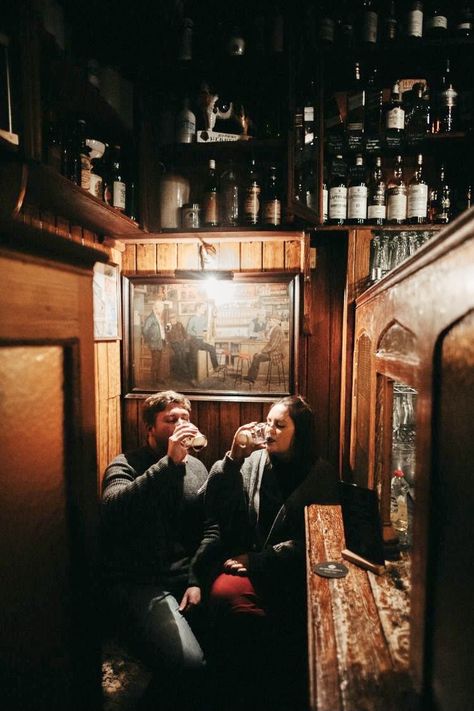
x: 106, y: 297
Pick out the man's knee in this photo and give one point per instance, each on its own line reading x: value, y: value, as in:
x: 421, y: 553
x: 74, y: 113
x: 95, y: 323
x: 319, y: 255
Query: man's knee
x: 174, y: 643
x: 234, y: 594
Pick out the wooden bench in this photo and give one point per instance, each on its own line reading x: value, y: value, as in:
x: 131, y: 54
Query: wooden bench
x: 358, y: 626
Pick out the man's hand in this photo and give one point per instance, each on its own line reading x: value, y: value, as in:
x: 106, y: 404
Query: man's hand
x: 191, y: 598
x: 237, y: 565
x: 178, y: 443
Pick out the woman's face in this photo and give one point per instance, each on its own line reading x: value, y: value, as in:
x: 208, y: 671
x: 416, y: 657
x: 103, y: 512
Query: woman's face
x: 280, y: 431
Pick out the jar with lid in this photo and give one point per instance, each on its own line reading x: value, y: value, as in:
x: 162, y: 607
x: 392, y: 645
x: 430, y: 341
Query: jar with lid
x: 190, y: 216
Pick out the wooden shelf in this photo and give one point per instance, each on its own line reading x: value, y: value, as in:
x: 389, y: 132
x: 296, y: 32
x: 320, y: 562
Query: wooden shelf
x: 49, y: 190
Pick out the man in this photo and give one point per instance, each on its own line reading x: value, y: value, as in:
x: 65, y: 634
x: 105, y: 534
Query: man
x: 152, y: 527
x: 197, y: 326
x: 154, y: 336
x: 258, y: 326
x: 178, y: 340
x: 274, y: 344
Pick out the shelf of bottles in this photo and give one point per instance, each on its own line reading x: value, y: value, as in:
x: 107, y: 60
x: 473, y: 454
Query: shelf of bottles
x: 402, y: 499
x: 219, y: 117
x: 396, y: 112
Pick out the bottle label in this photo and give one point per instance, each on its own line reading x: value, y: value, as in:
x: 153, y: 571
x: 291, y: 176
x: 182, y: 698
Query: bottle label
x: 396, y: 118
x: 85, y: 172
x: 325, y: 204
x: 417, y: 200
x: 437, y: 22
x: 185, y: 128
x: 415, y: 23
x: 449, y: 97
x: 96, y: 185
x: 210, y: 209
x: 338, y: 203
x: 272, y: 212
x: 252, y: 204
x: 118, y: 194
x: 397, y: 204
x: 376, y: 212
x: 357, y: 202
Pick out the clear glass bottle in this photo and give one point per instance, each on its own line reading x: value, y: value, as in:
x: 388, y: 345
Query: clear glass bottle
x: 229, y: 197
x: 252, y: 200
x: 446, y: 113
x: 397, y: 194
x: 271, y: 203
x: 399, y: 501
x: 417, y: 195
x: 376, y: 203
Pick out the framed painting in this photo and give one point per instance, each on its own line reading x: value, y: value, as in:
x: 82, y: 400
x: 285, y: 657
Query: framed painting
x: 106, y: 298
x: 231, y: 337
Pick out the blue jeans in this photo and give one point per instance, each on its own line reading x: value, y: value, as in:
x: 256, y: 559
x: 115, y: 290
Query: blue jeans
x: 147, y: 618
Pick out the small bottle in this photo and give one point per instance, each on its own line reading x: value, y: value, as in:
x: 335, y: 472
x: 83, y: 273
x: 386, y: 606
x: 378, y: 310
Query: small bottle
x: 441, y: 199
x: 399, y: 501
x: 185, y: 125
x: 445, y: 120
x: 271, y: 204
x: 414, y: 28
x: 357, y: 193
x: 417, y: 202
x: 210, y: 200
x: 338, y: 192
x: 119, y: 188
x: 376, y: 203
x: 252, y: 190
x: 229, y: 197
x: 397, y: 195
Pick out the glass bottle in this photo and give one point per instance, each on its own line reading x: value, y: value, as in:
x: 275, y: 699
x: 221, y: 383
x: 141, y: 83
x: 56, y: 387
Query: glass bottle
x: 229, y: 197
x: 445, y: 120
x: 357, y: 193
x: 441, y: 199
x: 271, y: 203
x: 369, y: 23
x: 399, y: 502
x: 397, y: 194
x: 464, y: 23
x: 376, y: 203
x: 117, y: 181
x: 338, y: 192
x: 325, y: 195
x: 436, y: 20
x: 252, y: 190
x: 210, y: 198
x: 417, y: 117
x: 390, y: 22
x: 414, y: 26
x: 236, y: 42
x: 417, y: 202
x: 326, y: 25
x: 373, y: 105
x: 394, y: 118
x: 355, y: 111
x: 185, y: 49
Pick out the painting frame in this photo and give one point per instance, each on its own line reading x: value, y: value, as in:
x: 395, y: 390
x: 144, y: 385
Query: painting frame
x: 199, y: 335
x: 106, y: 302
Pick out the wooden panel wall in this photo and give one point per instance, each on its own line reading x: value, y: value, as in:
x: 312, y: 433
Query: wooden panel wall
x: 218, y: 420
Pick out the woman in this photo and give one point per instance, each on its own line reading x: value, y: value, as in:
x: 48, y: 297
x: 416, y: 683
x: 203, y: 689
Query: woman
x: 257, y: 495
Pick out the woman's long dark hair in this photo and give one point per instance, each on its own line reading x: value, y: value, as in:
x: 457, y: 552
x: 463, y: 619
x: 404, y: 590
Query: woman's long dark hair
x: 302, y: 414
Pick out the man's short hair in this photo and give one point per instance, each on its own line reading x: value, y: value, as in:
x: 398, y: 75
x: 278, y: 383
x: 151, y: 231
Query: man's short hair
x: 159, y: 401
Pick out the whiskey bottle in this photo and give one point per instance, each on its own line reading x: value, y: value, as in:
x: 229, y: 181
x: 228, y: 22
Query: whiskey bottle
x: 355, y: 112
x: 338, y: 192
x: 441, y: 199
x: 325, y: 196
x: 445, y: 119
x: 390, y: 30
x: 394, y: 119
x: 376, y: 203
x: 417, y: 202
x: 369, y: 23
x: 357, y: 193
x: 271, y: 207
x: 464, y: 23
x: 252, y: 190
x: 326, y: 25
x: 229, y: 197
x: 373, y: 112
x: 117, y: 181
x: 417, y: 117
x: 210, y: 199
x: 397, y: 194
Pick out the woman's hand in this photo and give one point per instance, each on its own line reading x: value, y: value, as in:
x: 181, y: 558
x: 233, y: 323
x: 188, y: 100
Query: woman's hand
x: 191, y: 598
x: 237, y: 565
x: 242, y: 446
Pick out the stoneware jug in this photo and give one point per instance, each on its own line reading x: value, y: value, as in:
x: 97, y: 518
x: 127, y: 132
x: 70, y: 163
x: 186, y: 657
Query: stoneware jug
x: 174, y: 193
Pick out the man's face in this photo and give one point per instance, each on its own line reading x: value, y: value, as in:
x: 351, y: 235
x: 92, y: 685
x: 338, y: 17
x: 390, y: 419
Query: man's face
x: 157, y: 308
x: 165, y: 422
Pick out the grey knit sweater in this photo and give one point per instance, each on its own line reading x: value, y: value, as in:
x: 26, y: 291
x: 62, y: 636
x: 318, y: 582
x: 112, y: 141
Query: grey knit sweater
x: 152, y: 519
